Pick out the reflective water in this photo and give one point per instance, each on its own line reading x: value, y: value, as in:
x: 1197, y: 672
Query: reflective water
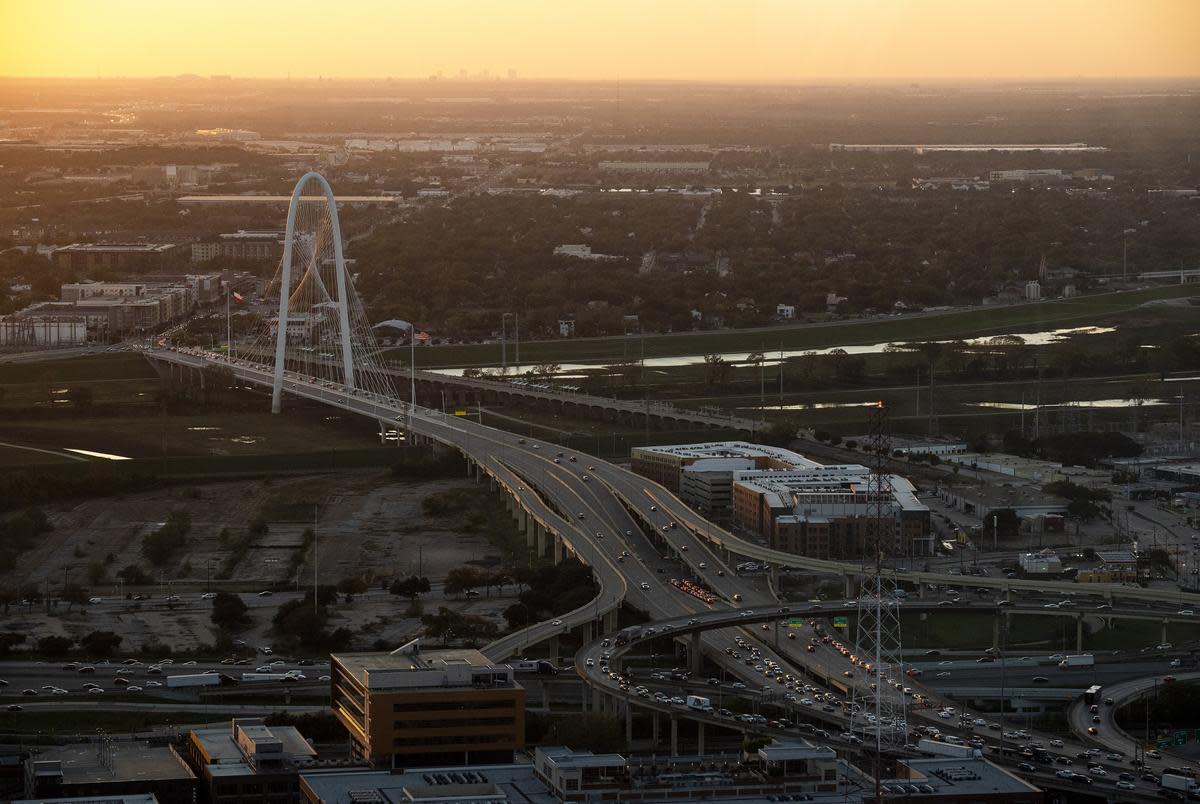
x: 772, y: 357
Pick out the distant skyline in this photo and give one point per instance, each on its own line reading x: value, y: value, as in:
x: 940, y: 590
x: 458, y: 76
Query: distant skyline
x: 751, y: 40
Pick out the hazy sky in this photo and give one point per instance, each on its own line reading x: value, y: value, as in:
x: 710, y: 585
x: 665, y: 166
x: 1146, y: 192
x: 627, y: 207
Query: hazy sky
x: 606, y: 39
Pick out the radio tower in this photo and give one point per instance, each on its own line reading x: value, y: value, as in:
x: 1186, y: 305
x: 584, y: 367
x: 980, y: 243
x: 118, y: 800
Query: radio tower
x: 881, y: 714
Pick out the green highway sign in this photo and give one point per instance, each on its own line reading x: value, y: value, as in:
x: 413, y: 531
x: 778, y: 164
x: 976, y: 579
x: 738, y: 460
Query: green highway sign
x: 797, y: 622
x: 841, y: 622
x: 1180, y: 738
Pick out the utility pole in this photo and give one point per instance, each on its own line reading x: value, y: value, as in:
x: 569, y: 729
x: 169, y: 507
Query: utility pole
x: 316, y: 587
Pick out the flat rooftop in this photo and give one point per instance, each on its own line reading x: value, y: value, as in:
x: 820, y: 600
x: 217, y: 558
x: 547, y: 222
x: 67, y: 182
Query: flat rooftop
x: 131, y: 760
x: 955, y: 777
x: 128, y: 798
x: 220, y: 747
x: 515, y: 783
x: 425, y: 660
x: 731, y: 449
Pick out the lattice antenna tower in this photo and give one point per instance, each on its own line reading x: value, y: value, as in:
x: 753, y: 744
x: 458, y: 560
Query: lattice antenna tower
x: 880, y: 718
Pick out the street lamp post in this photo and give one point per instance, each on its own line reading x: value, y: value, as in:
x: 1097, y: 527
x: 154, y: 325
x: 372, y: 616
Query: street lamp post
x: 504, y: 341
x: 1125, y: 253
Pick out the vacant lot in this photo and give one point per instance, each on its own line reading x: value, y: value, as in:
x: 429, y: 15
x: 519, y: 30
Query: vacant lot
x: 368, y: 524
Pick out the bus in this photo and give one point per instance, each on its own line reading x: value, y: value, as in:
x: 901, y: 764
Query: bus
x: 1092, y: 694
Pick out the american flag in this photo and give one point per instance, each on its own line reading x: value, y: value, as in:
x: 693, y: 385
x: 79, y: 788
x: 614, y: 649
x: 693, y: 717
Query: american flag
x: 421, y: 337
x: 237, y: 297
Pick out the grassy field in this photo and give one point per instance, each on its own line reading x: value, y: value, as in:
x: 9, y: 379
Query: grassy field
x: 1080, y: 311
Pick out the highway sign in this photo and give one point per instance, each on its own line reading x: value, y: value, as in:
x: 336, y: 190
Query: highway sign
x: 1180, y: 738
x: 797, y: 622
x: 841, y: 622
x: 1162, y: 744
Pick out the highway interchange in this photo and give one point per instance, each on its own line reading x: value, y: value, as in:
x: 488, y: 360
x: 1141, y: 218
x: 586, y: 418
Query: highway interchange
x: 603, y: 513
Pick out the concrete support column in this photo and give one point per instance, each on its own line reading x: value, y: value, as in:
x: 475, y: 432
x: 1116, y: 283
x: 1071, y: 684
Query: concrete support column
x: 560, y: 549
x: 654, y: 727
x: 674, y: 736
x: 522, y: 519
x: 700, y: 738
x: 774, y: 578
x: 531, y: 534
x: 996, y: 632
x: 543, y: 537
x: 850, y: 587
x: 628, y: 724
x: 1079, y: 633
x: 694, y: 654
x: 921, y: 589
x: 588, y: 634
x: 554, y: 649
x: 493, y: 485
x: 1162, y: 640
x: 610, y: 621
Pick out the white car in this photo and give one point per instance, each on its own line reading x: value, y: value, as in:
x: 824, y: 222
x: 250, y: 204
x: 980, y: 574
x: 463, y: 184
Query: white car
x: 590, y: 663
x: 208, y: 595
x: 95, y: 691
x: 95, y: 600
x: 556, y: 622
x: 645, y: 585
x: 133, y: 688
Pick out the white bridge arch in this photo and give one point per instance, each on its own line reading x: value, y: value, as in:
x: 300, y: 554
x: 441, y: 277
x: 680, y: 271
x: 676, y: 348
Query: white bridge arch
x: 285, y: 287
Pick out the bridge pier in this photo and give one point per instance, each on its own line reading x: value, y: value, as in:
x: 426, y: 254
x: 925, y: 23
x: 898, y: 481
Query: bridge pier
x: 559, y: 549
x: 1079, y: 633
x: 628, y: 724
x: 522, y: 518
x: 609, y: 622
x: 532, y: 535
x: 654, y: 727
x: 850, y: 590
x: 542, y: 537
x: 674, y: 736
x: 700, y: 738
x: 1162, y: 639
x: 694, y: 654
x: 996, y: 632
x: 554, y: 649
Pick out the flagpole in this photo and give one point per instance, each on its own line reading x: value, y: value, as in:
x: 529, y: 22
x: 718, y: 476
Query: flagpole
x: 228, y: 327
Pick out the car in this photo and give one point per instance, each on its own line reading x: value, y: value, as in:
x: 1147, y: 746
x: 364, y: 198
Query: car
x: 95, y: 600
x: 580, y: 515
x: 208, y: 595
x: 1025, y: 766
x: 1153, y: 753
x: 654, y: 508
x: 95, y: 691
x: 1056, y: 743
x: 1113, y: 756
x: 1187, y: 612
x: 556, y: 622
x: 1096, y: 770
x: 15, y: 708
x: 265, y: 593
x: 150, y: 684
x: 590, y: 663
x: 702, y: 565
x: 1040, y: 680
x: 1168, y: 679
x: 1124, y: 785
x: 1093, y: 730
x: 1095, y: 718
x: 1065, y: 774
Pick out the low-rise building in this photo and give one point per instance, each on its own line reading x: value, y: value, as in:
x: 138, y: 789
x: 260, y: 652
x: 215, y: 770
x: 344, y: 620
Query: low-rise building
x: 411, y: 707
x: 110, y: 768
x: 1046, y: 562
x: 241, y: 245
x: 249, y: 762
x: 665, y: 464
x: 117, y: 257
x: 834, y: 512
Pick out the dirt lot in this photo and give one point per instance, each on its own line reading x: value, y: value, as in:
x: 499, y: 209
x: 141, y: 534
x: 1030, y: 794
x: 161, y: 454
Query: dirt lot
x: 368, y: 524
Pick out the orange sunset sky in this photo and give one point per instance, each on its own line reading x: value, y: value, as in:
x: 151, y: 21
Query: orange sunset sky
x: 729, y: 40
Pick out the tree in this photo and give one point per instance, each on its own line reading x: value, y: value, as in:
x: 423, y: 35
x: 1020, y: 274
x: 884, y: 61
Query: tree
x: 461, y: 579
x: 9, y: 640
x: 229, y: 612
x: 101, y: 643
x: 352, y: 585
x: 717, y: 370
x: 96, y: 572
x: 161, y: 544
x: 73, y: 594
x: 54, y: 645
x: 133, y: 575
x: 411, y: 587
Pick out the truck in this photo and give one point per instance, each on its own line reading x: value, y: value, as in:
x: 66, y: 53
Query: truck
x: 268, y: 677
x: 699, y: 703
x: 194, y: 680
x: 942, y: 749
x: 1172, y: 781
x: 539, y: 666
x: 1078, y: 660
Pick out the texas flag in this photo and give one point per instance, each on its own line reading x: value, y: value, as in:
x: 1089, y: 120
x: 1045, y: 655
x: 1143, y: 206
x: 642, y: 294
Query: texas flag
x: 237, y: 297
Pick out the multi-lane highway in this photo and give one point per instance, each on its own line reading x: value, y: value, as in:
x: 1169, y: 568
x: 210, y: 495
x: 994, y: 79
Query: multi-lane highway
x: 637, y: 537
